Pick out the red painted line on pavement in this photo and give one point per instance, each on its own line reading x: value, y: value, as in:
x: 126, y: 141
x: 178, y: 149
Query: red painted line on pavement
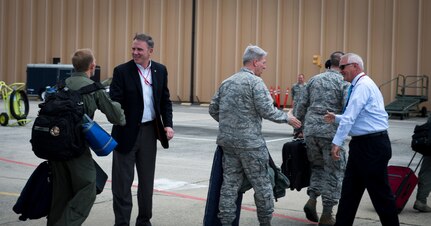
x: 16, y: 162
x: 182, y: 195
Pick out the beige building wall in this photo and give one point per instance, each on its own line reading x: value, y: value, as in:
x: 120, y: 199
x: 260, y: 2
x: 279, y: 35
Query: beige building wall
x: 392, y: 36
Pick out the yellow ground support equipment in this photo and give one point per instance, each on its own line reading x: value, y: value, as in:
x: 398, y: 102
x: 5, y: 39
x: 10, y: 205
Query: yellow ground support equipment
x: 16, y: 104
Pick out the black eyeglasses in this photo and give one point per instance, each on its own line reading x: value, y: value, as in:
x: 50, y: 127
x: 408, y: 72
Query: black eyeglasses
x: 345, y: 65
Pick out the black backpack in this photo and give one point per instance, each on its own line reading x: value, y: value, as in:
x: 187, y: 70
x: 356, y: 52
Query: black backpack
x: 56, y: 133
x: 421, y: 138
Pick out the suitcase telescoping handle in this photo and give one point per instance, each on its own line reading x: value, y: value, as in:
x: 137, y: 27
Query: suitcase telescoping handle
x: 419, y: 163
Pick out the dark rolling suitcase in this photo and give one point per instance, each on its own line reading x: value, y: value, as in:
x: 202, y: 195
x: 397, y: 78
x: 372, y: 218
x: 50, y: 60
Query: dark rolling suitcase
x: 403, y: 181
x: 295, y: 164
x: 213, y: 197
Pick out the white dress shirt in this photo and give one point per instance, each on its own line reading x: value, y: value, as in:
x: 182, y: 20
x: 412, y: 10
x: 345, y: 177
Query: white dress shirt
x: 147, y: 93
x: 365, y: 113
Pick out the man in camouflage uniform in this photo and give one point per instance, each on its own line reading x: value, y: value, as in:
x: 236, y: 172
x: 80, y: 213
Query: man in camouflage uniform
x: 324, y: 92
x: 239, y: 106
x: 297, y: 89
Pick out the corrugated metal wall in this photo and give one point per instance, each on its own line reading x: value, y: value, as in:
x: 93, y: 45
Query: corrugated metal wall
x: 393, y: 37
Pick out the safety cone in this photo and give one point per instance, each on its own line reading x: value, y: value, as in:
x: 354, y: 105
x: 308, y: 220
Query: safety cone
x: 277, y: 99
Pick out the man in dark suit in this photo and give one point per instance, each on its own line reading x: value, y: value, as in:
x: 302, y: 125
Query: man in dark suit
x: 141, y: 87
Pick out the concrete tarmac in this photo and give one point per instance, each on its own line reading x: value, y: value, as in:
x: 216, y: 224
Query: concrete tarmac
x: 183, y: 170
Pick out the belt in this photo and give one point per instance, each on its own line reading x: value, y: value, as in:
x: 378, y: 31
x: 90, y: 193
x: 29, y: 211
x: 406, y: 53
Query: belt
x: 381, y: 133
x: 147, y: 123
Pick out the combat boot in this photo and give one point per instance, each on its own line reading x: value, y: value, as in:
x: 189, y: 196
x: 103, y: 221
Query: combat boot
x: 326, y: 220
x: 310, y: 210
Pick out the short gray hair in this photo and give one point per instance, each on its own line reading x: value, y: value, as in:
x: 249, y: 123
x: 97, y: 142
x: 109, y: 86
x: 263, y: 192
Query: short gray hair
x: 354, y: 58
x: 253, y: 53
x: 145, y: 38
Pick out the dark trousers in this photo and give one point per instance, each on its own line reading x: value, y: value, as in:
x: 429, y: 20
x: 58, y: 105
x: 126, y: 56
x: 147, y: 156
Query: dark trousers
x: 367, y: 169
x: 143, y: 155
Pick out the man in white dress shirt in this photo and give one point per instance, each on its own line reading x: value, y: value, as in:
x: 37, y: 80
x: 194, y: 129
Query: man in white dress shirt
x: 366, y: 121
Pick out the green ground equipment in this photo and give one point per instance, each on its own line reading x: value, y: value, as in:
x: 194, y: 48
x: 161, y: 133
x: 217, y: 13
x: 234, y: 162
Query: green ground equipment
x: 411, y: 91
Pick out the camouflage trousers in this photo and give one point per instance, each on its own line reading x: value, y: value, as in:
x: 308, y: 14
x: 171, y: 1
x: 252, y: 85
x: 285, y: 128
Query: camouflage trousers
x: 326, y: 174
x: 253, y: 164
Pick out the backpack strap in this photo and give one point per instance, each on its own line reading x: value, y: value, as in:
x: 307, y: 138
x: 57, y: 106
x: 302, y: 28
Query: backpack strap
x: 91, y: 88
